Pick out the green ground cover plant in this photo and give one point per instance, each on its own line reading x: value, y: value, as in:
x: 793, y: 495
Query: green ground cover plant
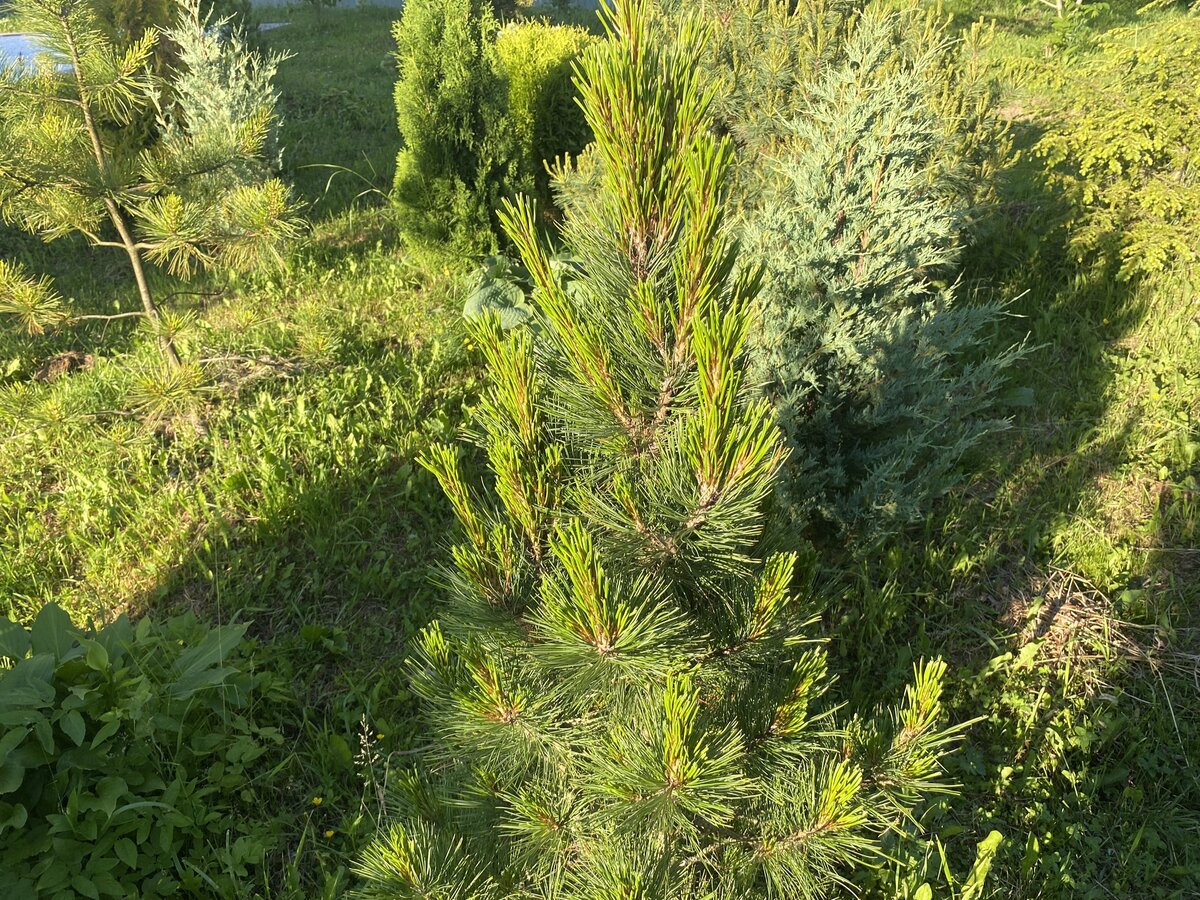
x: 129, y: 758
x: 304, y: 511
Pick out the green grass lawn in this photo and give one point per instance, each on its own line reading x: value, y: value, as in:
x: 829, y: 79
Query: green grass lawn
x: 1063, y: 584
x: 339, y: 122
x: 302, y: 511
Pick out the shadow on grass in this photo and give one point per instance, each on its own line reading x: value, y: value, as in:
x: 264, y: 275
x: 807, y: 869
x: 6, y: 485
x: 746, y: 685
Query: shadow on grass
x: 304, y: 512
x: 91, y: 280
x: 325, y: 533
x: 1089, y: 713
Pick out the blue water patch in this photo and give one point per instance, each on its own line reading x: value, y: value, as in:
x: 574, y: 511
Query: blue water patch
x: 22, y: 49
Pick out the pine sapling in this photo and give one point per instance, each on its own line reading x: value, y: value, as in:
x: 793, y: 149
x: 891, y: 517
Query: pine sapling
x: 620, y: 693
x: 67, y: 166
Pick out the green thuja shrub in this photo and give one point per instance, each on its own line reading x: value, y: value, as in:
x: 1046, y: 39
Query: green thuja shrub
x: 620, y: 698
x: 451, y: 105
x: 538, y: 60
x: 127, y: 760
x: 126, y: 22
x: 481, y: 111
x: 869, y: 356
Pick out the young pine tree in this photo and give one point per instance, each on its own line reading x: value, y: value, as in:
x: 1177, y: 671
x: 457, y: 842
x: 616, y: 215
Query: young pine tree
x: 67, y: 166
x: 620, y: 696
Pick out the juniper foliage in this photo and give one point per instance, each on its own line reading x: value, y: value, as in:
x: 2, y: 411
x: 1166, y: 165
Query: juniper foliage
x: 219, y: 83
x: 768, y: 56
x: 868, y: 141
x: 621, y: 695
x: 66, y: 167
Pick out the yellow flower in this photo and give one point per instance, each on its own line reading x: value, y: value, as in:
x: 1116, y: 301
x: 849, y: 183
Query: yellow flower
x: 379, y: 737
x: 329, y: 834
x: 317, y: 801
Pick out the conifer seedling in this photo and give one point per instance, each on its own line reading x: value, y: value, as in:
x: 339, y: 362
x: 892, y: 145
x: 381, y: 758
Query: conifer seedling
x: 69, y: 166
x: 622, y: 696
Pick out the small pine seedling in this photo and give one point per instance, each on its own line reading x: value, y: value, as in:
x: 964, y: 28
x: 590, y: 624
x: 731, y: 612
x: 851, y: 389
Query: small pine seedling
x: 68, y: 165
x: 620, y: 695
